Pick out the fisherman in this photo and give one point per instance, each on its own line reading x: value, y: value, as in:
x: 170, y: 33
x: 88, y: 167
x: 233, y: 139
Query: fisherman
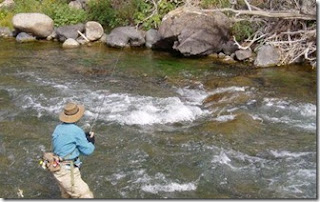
x: 69, y: 141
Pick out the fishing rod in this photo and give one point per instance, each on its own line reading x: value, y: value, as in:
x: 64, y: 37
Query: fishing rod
x: 105, y: 95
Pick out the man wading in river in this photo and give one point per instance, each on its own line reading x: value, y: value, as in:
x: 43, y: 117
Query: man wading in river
x: 69, y: 141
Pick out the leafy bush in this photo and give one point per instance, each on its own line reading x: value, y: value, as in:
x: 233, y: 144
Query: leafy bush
x: 58, y: 10
x: 215, y: 3
x: 145, y: 16
x: 62, y: 14
x: 242, y: 30
x: 102, y: 12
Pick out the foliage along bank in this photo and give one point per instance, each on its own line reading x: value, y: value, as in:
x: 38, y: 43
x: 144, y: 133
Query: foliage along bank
x: 145, y: 15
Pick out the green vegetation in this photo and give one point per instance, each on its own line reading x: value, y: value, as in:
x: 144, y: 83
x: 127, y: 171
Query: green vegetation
x: 113, y: 13
x: 58, y: 10
x: 242, y: 30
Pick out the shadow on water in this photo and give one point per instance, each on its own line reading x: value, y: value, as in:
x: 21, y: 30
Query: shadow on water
x: 169, y: 127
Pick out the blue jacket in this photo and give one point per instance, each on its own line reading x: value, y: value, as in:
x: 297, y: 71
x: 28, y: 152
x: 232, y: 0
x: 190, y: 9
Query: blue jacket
x: 69, y: 141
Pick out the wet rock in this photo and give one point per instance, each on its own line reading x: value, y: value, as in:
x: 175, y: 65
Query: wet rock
x: 25, y: 37
x: 75, y: 5
x: 229, y: 47
x: 308, y: 7
x: 70, y: 43
x: 194, y: 33
x: 40, y: 25
x: 7, y: 4
x: 243, y: 54
x: 267, y: 56
x: 69, y: 31
x: 124, y: 36
x: 5, y: 32
x: 152, y: 36
x: 94, y: 30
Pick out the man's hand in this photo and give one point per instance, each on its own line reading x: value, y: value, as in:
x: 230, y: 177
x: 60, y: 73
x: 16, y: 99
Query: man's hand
x: 90, y: 137
x: 91, y: 134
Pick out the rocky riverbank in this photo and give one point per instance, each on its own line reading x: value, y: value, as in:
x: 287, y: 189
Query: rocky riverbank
x: 186, y: 31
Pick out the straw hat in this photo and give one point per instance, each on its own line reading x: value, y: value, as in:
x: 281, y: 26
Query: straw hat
x: 71, y: 113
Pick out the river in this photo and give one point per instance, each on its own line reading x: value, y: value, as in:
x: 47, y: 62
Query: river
x: 168, y: 127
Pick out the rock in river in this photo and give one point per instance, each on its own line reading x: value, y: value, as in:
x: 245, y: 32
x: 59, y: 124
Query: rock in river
x: 193, y: 32
x: 40, y: 25
x: 123, y: 36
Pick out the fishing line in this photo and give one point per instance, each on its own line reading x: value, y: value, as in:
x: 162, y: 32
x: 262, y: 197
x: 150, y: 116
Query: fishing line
x: 105, y: 95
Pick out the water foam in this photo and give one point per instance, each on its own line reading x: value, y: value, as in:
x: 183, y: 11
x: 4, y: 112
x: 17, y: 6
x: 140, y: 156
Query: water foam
x: 171, y: 187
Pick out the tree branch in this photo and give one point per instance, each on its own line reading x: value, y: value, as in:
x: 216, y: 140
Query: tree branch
x: 269, y: 14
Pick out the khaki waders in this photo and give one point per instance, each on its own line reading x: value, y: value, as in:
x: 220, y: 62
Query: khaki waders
x: 70, y: 182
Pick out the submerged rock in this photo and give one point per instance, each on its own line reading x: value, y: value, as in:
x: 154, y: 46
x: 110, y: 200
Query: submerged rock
x: 25, y: 37
x: 194, y: 33
x: 40, y: 25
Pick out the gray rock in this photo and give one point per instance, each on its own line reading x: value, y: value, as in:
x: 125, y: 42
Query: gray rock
x: 84, y: 3
x: 70, y: 43
x: 94, y: 30
x: 103, y: 39
x: 308, y: 7
x: 75, y: 5
x: 152, y: 36
x: 194, y: 33
x: 5, y: 32
x: 124, y: 36
x: 52, y: 36
x: 229, y: 47
x: 69, y: 31
x: 25, y: 37
x: 267, y: 56
x: 243, y: 54
x: 7, y: 4
x: 40, y: 25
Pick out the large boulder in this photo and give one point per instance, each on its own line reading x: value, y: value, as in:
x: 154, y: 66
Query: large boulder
x: 69, y: 31
x: 152, y: 36
x: 40, y: 25
x: 124, y: 36
x: 94, y: 30
x: 267, y: 56
x: 194, y: 33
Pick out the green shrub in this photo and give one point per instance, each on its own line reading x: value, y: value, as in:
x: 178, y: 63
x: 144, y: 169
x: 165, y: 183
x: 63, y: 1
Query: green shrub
x: 58, y: 10
x: 145, y: 10
x: 6, y: 18
x: 62, y: 14
x: 242, y: 30
x: 215, y: 3
x: 102, y: 12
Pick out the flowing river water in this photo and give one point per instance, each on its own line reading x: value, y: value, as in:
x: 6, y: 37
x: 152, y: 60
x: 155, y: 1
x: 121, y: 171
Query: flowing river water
x: 168, y: 127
